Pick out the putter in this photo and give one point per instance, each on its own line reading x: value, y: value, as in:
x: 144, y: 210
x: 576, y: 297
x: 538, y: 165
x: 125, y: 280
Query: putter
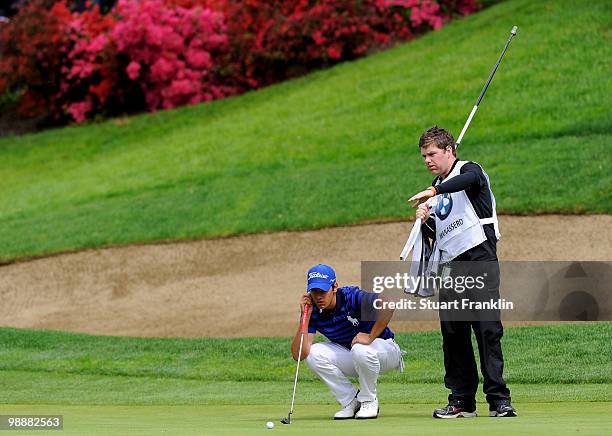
x: 412, y: 238
x: 303, y: 331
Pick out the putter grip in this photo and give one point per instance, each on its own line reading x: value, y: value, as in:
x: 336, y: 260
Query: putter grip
x: 304, y: 324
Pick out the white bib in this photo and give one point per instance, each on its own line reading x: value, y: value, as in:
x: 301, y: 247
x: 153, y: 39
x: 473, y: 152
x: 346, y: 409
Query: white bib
x: 458, y: 228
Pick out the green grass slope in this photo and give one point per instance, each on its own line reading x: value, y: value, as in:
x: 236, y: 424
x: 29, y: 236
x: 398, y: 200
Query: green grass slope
x: 337, y: 146
x: 571, y: 362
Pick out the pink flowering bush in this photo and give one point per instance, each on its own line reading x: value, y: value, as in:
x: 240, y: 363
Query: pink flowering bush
x: 159, y: 54
x: 273, y: 40
x: 88, y: 71
x: 30, y: 52
x: 172, y: 51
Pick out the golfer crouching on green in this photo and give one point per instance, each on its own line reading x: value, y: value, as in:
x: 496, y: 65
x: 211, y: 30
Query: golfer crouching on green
x: 357, y: 348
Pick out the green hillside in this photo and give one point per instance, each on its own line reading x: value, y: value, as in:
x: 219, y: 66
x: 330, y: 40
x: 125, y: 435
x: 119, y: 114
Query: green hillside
x: 337, y: 146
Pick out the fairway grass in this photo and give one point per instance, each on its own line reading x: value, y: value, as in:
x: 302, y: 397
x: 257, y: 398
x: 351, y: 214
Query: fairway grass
x: 534, y: 418
x: 26, y: 388
x: 577, y: 353
x: 560, y: 377
x: 265, y: 160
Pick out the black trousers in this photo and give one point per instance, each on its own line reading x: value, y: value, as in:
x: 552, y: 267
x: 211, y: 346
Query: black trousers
x: 461, y: 374
x: 459, y: 363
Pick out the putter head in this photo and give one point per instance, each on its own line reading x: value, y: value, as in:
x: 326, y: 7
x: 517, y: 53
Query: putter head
x: 286, y: 420
x: 514, y: 30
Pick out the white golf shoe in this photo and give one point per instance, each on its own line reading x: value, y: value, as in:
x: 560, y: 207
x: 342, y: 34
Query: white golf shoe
x: 368, y: 410
x: 348, y: 411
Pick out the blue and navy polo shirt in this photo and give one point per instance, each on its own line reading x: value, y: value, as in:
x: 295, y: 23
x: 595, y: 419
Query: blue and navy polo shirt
x: 342, y: 323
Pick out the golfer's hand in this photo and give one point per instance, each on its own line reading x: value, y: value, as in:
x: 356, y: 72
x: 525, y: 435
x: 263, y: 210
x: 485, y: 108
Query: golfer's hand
x: 421, y: 197
x: 306, y: 300
x: 362, y: 338
x: 423, y: 212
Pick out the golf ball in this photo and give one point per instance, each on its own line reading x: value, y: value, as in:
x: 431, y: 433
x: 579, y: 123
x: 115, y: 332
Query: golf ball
x: 270, y: 424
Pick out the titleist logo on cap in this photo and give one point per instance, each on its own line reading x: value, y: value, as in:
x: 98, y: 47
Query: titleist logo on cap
x: 313, y: 275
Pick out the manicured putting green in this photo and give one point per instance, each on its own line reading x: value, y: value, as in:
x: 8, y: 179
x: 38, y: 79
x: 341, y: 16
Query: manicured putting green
x: 534, y: 418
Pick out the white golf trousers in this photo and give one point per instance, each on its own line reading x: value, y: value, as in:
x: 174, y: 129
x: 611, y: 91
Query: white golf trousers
x: 334, y: 364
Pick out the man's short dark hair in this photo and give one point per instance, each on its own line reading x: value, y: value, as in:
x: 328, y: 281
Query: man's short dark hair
x: 438, y: 136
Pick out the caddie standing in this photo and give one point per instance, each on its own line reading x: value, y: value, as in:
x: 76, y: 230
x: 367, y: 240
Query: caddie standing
x: 463, y: 225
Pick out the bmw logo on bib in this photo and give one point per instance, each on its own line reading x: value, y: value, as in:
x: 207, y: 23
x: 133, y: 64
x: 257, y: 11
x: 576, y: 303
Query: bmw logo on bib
x: 445, y: 205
